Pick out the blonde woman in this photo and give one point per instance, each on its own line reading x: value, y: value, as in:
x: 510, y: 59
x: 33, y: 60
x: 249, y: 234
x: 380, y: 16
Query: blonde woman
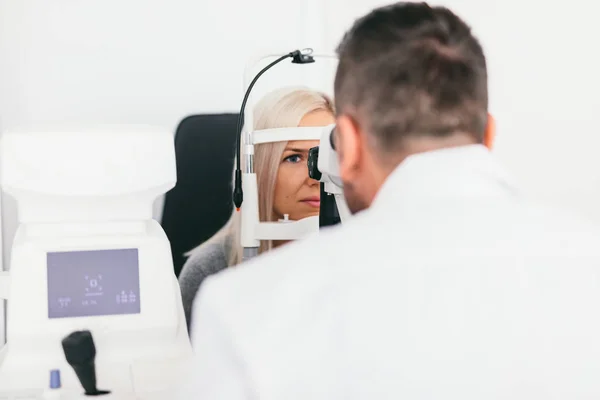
x: 284, y: 186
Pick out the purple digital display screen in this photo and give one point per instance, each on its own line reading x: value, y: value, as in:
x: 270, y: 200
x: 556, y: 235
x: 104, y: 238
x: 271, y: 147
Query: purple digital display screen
x: 93, y: 283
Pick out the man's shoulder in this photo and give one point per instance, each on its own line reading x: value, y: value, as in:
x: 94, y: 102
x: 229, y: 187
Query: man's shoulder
x: 281, y: 261
x: 569, y: 221
x: 252, y: 285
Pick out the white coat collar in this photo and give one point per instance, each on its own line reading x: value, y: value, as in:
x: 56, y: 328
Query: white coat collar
x: 457, y: 172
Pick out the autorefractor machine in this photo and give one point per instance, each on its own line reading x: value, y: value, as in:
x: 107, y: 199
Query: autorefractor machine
x: 94, y: 307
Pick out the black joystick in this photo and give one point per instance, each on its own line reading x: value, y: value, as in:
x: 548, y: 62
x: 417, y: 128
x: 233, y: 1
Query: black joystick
x: 80, y: 353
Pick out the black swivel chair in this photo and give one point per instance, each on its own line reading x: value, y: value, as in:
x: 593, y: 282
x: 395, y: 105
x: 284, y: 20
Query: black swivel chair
x: 200, y: 203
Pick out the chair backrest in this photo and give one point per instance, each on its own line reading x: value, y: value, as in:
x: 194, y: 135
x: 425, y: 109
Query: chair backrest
x: 201, y: 201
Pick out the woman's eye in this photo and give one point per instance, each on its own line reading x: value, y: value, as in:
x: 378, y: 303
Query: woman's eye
x: 293, y: 158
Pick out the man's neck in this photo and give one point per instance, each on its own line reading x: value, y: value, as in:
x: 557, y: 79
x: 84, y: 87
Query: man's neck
x: 385, y: 165
x: 425, y: 144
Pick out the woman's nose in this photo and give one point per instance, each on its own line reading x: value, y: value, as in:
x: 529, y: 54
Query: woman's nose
x: 312, y: 182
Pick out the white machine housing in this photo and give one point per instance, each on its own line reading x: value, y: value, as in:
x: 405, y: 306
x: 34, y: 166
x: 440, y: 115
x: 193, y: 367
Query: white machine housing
x: 252, y: 229
x: 330, y: 172
x: 87, y: 255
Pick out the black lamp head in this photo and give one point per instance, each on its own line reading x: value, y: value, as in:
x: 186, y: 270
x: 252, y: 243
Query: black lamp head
x: 303, y: 57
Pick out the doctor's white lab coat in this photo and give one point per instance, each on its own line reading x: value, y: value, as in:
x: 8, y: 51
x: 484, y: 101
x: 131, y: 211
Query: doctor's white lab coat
x: 451, y: 286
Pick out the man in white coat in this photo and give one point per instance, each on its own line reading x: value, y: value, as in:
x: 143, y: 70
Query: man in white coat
x: 446, y: 284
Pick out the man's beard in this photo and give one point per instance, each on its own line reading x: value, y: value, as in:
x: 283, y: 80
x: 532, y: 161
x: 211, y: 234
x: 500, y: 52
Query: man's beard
x: 356, y: 203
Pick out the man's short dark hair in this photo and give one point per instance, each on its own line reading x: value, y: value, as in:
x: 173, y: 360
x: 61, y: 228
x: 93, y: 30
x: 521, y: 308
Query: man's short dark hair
x: 409, y: 70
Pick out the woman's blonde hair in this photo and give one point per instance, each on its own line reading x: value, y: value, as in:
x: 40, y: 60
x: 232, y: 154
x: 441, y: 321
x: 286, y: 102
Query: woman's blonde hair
x: 280, y: 108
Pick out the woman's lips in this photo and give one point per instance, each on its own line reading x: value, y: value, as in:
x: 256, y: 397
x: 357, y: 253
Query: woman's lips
x: 313, y: 202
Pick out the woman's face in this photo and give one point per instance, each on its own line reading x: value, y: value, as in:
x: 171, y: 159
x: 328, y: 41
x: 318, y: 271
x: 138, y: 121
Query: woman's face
x: 295, y: 193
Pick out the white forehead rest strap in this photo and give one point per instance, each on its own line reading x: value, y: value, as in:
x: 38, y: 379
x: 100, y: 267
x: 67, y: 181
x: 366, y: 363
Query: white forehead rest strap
x: 287, y: 134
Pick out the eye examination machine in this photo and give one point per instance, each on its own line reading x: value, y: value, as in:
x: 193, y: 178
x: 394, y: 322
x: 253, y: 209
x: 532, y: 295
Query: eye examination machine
x: 322, y: 166
x: 94, y: 307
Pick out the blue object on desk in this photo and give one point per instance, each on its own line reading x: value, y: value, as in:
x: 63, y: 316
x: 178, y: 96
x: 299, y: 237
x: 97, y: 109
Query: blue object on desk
x: 55, y: 379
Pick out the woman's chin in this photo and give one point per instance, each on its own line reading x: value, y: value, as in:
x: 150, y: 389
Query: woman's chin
x: 310, y: 214
x: 303, y: 214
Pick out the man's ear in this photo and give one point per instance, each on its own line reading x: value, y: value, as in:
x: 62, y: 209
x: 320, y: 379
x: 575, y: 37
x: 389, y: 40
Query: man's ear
x: 490, y: 132
x: 348, y: 144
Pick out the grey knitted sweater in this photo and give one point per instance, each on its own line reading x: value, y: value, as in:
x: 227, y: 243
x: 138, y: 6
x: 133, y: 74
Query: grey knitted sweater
x: 206, y: 261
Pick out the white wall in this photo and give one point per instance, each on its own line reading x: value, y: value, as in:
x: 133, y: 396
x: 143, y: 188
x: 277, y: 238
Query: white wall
x: 153, y: 61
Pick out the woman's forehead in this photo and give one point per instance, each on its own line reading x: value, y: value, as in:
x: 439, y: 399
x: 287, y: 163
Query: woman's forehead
x: 301, y: 144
